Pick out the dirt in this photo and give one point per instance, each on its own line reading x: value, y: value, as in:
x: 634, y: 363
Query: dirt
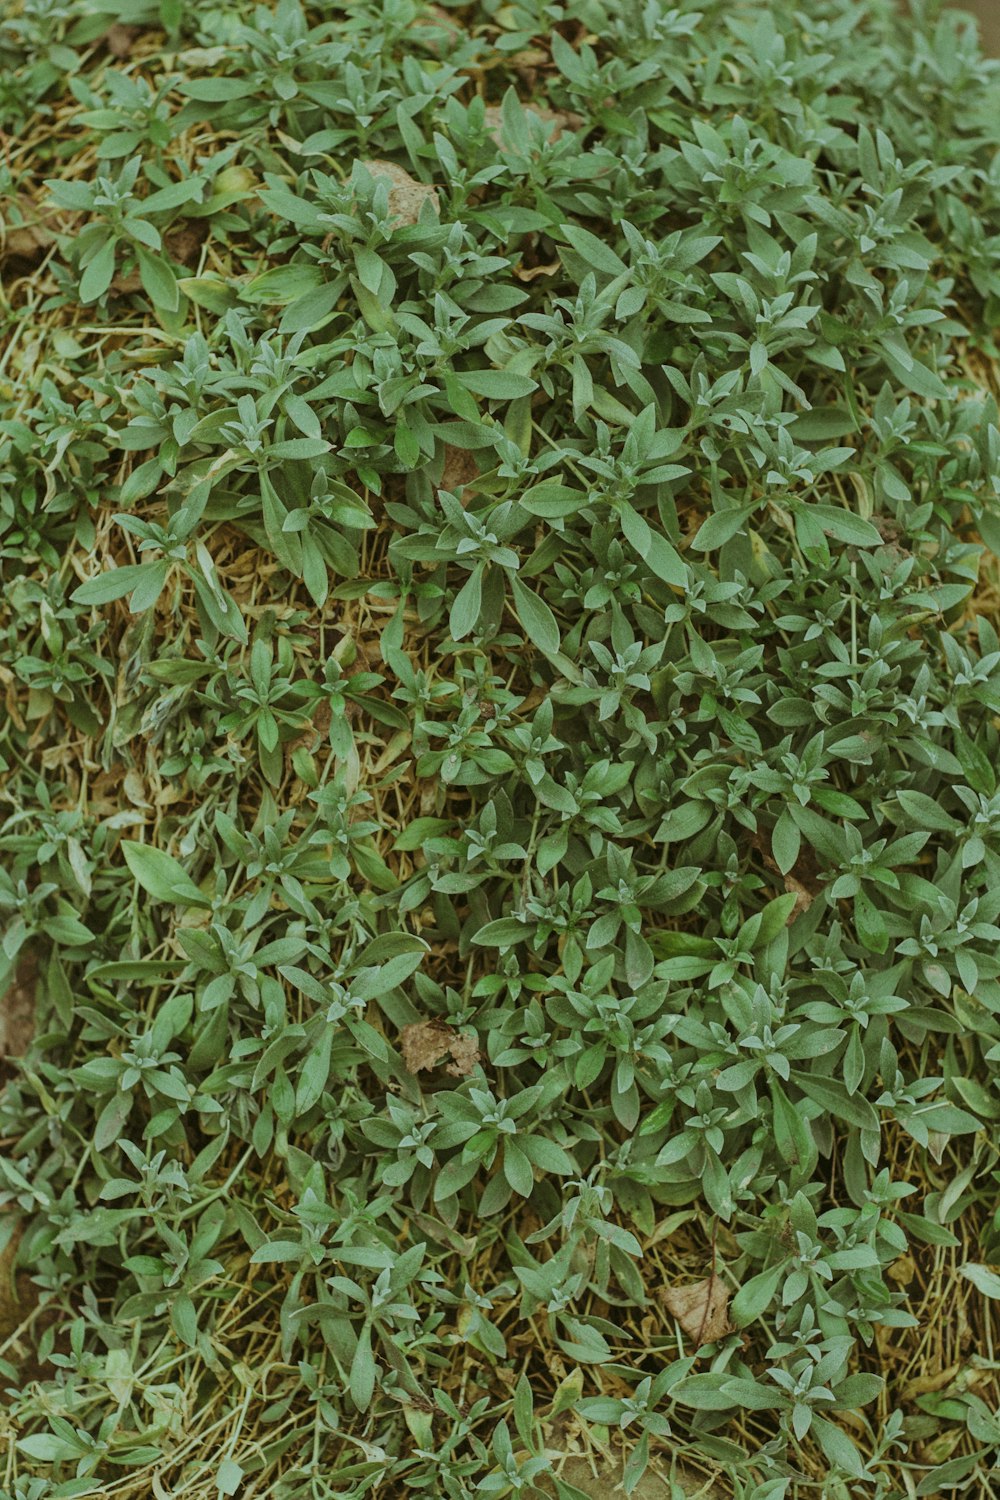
x: 18, y: 1300
x: 17, y: 1012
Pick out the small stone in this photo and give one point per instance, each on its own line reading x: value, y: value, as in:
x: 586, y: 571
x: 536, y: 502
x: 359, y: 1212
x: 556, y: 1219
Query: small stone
x: 556, y: 121
x: 407, y: 196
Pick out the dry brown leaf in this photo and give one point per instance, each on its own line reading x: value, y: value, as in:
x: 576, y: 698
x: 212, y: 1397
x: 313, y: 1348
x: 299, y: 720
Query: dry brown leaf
x: 804, y: 897
x: 529, y: 273
x: 135, y: 789
x: 460, y: 469
x: 29, y: 239
x: 802, y: 879
x: 182, y: 245
x: 407, y: 196
x: 464, y: 1053
x: 427, y: 1043
x: 527, y: 65
x: 428, y: 797
x: 701, y: 1308
x: 120, y: 39
x: 902, y: 1271
x: 600, y: 1478
x: 933, y: 1380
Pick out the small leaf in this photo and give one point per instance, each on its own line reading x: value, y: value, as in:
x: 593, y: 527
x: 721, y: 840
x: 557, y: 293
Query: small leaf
x: 99, y: 273
x: 466, y: 605
x: 653, y: 548
x: 503, y: 933
x: 833, y: 1097
x: 362, y: 1378
x: 229, y: 1478
x: 315, y: 1073
x: 720, y: 528
x: 982, y: 1278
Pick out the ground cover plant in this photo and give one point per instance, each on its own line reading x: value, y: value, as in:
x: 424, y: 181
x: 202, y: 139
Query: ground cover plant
x: 499, y: 770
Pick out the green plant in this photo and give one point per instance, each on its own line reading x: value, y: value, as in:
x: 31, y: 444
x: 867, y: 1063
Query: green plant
x: 498, y: 772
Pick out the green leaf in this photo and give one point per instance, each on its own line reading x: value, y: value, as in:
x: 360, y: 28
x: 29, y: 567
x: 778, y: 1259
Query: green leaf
x: 833, y: 1097
x: 184, y: 1319
x: 362, y: 1377
x: 418, y: 831
x: 466, y: 605
x: 209, y: 291
x: 982, y: 1278
x: 704, y: 1393
x: 916, y: 377
x: 229, y: 1477
x: 454, y: 1176
x: 720, y: 528
x: 497, y: 385
x: 77, y: 196
x: 503, y: 933
x: 859, y: 1390
x: 653, y: 548
x: 585, y: 1343
x: 774, y: 919
x: 536, y: 617
x: 870, y: 924
x: 753, y: 1396
x: 118, y: 582
x: 517, y: 1169
x: 217, y: 90
x: 99, y: 273
x: 162, y: 876
x: 923, y: 812
x: 543, y: 1153
x: 786, y: 840
x: 838, y: 1447
x: 755, y: 1296
x: 822, y: 424
x: 276, y: 1252
x: 149, y: 586
x: 158, y: 281
x: 315, y: 1073
x: 112, y: 1121
x: 46, y: 1448
x: 141, y: 482
x: 926, y: 1230
x: 846, y: 526
x: 598, y: 255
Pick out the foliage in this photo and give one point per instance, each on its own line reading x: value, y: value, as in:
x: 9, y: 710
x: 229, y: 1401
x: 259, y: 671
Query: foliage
x: 492, y: 511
